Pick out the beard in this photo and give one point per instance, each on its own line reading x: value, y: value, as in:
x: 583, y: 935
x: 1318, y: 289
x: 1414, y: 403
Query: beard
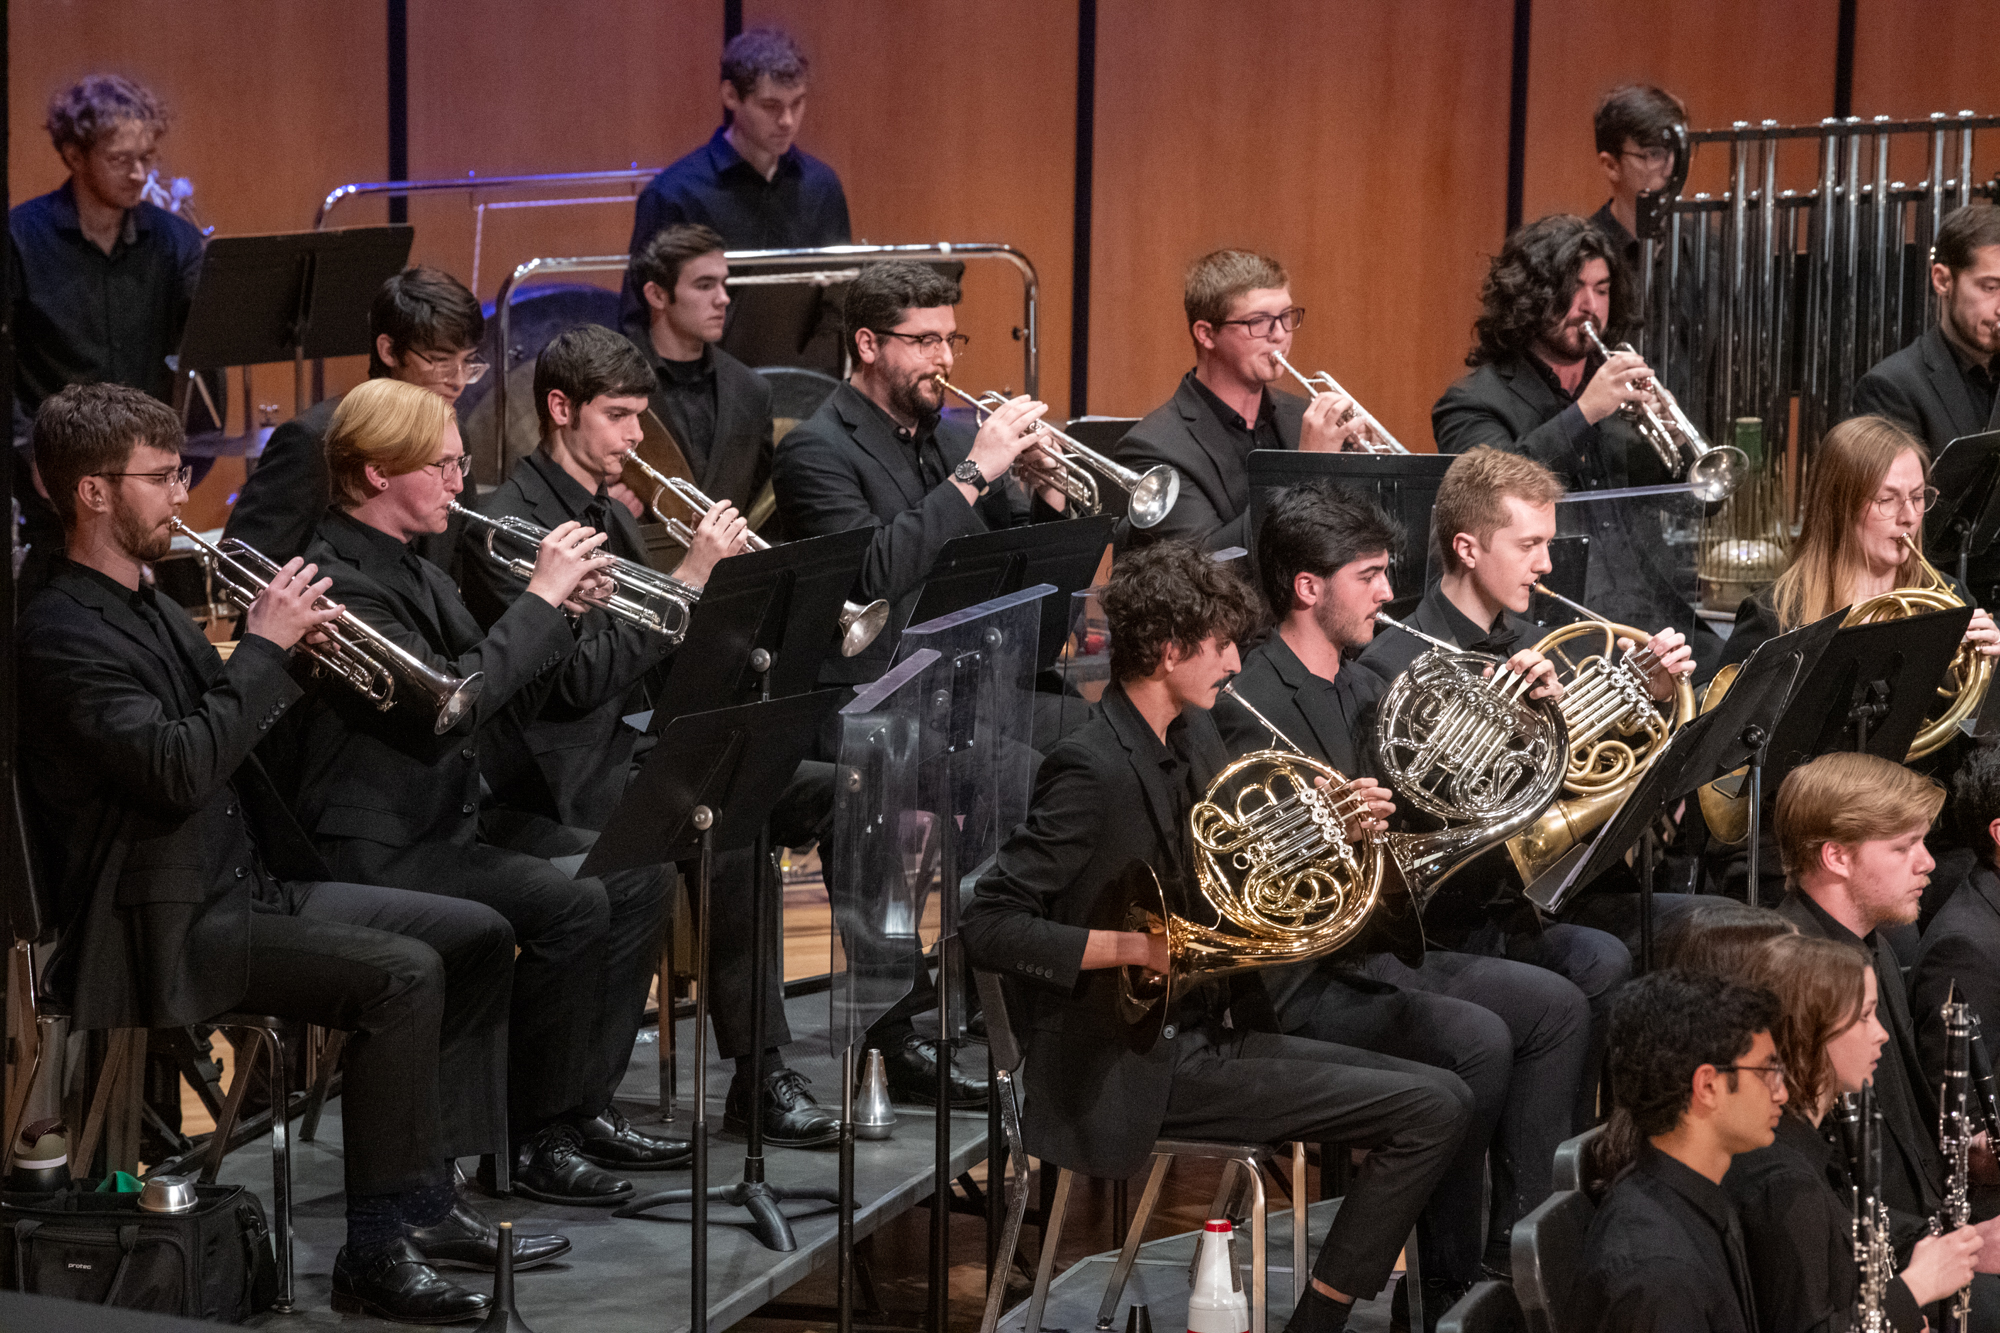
x: 138, y: 538
x: 1980, y: 337
x: 906, y: 398
x: 1348, y: 635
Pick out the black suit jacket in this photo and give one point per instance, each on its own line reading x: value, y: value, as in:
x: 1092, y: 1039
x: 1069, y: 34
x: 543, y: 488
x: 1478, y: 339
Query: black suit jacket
x: 1213, y: 510
x: 148, y: 818
x: 1913, y: 1174
x: 843, y: 468
x: 1509, y: 405
x: 1101, y: 801
x: 285, y: 494
x: 736, y: 463
x: 1961, y: 946
x: 1329, y: 719
x: 1922, y: 389
x: 384, y: 776
x: 580, y: 757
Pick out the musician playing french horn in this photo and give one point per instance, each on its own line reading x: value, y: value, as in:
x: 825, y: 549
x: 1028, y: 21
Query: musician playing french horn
x: 387, y: 802
x: 1122, y: 788
x: 1517, y: 1034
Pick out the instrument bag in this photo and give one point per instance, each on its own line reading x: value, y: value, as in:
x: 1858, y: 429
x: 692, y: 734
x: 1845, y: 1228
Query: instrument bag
x: 212, y: 1262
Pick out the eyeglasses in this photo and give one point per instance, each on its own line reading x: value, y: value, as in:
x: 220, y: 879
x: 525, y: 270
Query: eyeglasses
x: 1772, y: 1074
x: 172, y: 477
x: 1890, y: 505
x: 127, y: 163
x: 928, y: 343
x: 462, y: 463
x: 1262, y: 326
x: 1652, y: 157
x: 465, y: 367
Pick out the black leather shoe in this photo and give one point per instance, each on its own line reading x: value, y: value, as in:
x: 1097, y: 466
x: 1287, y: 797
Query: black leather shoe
x: 792, y: 1119
x: 464, y: 1239
x: 913, y: 1075
x: 401, y: 1287
x: 611, y: 1140
x: 554, y: 1171
x: 1439, y: 1296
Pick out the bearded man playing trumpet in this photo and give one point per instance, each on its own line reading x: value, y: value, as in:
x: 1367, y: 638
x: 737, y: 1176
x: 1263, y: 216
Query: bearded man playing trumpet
x: 1123, y: 788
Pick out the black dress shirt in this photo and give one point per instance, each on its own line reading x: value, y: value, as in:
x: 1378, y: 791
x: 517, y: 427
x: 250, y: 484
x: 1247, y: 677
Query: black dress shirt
x: 1390, y: 655
x: 1978, y: 377
x: 1794, y: 1201
x: 1622, y: 241
x: 1665, y: 1255
x: 801, y: 205
x: 1243, y: 434
x: 685, y: 400
x: 81, y: 315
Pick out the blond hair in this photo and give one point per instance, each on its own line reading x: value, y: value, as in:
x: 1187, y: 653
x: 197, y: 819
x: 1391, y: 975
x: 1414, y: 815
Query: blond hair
x: 1847, y: 469
x: 1220, y: 276
x: 1849, y: 799
x: 1473, y: 496
x: 384, y: 423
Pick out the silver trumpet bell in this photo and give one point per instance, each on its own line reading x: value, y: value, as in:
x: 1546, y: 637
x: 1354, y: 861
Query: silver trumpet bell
x: 1713, y: 471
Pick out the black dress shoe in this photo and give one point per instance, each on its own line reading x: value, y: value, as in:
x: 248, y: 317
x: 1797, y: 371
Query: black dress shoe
x: 913, y: 1075
x: 1439, y: 1296
x: 554, y: 1171
x: 610, y: 1140
x: 792, y: 1119
x: 464, y: 1239
x: 401, y: 1287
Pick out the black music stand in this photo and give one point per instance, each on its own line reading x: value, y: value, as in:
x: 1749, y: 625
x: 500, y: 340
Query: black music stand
x: 1966, y: 519
x: 983, y: 566
x: 293, y: 297
x: 1404, y: 484
x: 710, y: 785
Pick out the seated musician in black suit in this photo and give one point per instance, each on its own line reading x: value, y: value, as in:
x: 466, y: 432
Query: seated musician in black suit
x: 1517, y: 1034
x: 182, y: 888
x: 590, y: 387
x: 1942, y: 385
x: 388, y: 800
x: 1695, y: 1081
x: 1851, y: 830
x: 718, y: 409
x: 424, y: 329
x: 1119, y: 789
x: 1962, y: 941
x: 1241, y: 319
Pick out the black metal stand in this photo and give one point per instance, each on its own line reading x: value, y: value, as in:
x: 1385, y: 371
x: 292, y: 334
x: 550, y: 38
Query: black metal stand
x: 843, y: 1279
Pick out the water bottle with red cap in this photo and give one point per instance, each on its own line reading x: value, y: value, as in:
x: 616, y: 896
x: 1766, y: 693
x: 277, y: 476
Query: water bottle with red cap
x: 1217, y: 1303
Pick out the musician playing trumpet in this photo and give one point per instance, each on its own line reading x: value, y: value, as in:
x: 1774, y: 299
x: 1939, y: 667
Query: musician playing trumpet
x: 386, y: 801
x: 1122, y: 788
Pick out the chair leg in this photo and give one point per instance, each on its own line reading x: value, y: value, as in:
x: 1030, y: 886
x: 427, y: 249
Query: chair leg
x: 1260, y: 1273
x: 281, y: 1168
x: 1301, y: 1275
x: 232, y: 1104
x: 1045, y: 1266
x: 1413, y: 1282
x: 328, y: 1061
x: 1017, y: 1204
x: 1129, y: 1252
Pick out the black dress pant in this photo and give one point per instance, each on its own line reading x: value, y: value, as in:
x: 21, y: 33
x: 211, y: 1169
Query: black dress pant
x: 421, y: 984
x: 1258, y: 1087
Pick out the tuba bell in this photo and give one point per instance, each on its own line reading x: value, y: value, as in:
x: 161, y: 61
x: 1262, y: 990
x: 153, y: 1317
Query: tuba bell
x: 1615, y: 733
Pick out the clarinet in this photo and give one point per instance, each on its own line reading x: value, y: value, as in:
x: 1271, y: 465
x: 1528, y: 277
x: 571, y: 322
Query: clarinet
x: 1874, y: 1254
x: 1957, y: 1126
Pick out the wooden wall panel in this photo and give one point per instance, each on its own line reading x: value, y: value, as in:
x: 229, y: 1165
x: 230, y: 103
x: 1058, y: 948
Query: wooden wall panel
x: 1726, y: 60
x: 499, y: 86
x: 1364, y: 146
x: 949, y: 121
x: 1908, y: 68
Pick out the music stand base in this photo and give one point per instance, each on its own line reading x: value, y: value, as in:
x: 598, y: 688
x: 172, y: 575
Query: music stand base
x: 768, y: 1222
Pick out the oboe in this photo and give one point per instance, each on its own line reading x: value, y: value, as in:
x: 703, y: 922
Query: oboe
x: 1957, y: 1127
x: 1874, y: 1255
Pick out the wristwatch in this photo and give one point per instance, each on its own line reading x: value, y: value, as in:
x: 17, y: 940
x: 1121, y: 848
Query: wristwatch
x: 969, y: 473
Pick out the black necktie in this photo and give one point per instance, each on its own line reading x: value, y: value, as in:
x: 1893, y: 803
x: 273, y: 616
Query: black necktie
x: 1739, y: 1270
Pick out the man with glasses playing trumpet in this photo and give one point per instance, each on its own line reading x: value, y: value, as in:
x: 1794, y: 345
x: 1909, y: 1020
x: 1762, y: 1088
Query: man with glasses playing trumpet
x: 388, y: 800
x: 182, y: 887
x: 1241, y: 320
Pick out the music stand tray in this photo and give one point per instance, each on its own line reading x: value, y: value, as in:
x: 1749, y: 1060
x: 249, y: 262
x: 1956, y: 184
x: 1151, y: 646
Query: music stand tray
x: 1966, y: 520
x: 1404, y: 484
x: 261, y: 299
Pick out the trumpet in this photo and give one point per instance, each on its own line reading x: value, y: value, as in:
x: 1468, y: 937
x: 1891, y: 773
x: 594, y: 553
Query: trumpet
x: 1153, y: 492
x: 1713, y: 471
x: 354, y: 651
x: 859, y: 625
x: 640, y: 596
x: 1323, y: 382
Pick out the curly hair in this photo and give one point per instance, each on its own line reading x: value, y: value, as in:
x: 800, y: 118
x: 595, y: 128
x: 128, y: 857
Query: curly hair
x: 1532, y: 280
x: 1664, y: 1026
x: 759, y: 53
x: 97, y: 104
x: 1172, y: 593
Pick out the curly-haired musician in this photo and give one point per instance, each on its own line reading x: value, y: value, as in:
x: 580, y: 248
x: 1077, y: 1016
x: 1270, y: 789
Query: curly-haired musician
x: 1119, y: 789
x: 1517, y: 1034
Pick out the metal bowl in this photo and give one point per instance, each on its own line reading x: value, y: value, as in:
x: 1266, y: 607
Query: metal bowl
x: 168, y: 1194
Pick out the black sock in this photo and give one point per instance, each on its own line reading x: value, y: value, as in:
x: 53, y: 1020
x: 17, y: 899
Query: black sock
x: 374, y: 1224
x: 427, y: 1205
x: 774, y: 1060
x: 1318, y: 1312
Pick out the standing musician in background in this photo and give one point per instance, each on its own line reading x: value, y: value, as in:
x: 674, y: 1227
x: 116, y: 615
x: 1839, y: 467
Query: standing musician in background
x: 749, y: 182
x: 1634, y: 130
x: 1962, y: 939
x: 1491, y: 524
x: 1121, y: 788
x: 1942, y: 385
x: 1851, y: 831
x: 424, y: 328
x: 388, y: 800
x: 1241, y: 319
x: 1517, y: 1034
x: 1696, y: 1081
x: 183, y: 888
x: 718, y: 409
